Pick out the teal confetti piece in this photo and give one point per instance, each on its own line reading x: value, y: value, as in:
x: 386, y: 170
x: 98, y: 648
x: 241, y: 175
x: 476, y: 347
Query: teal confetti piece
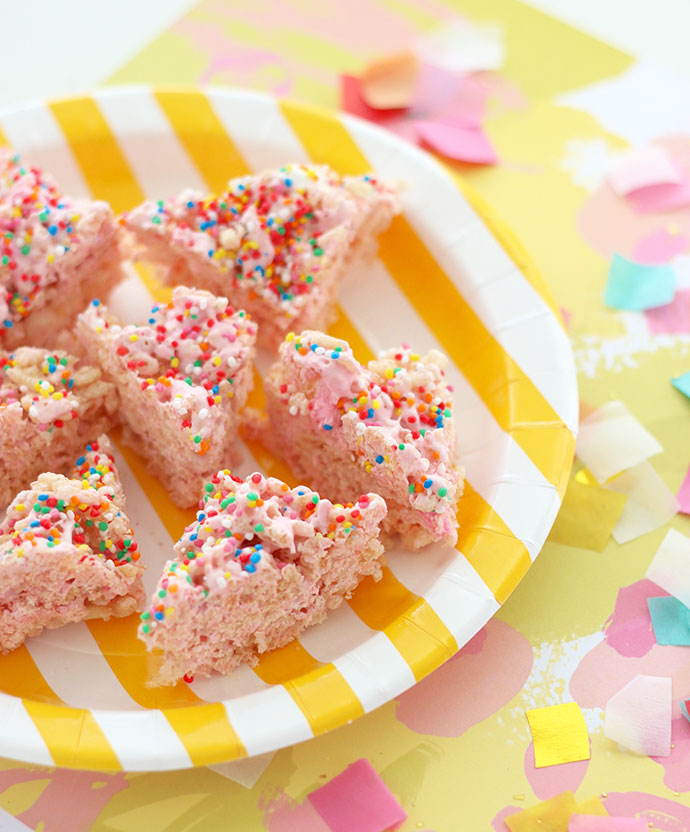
x: 636, y: 287
x: 684, y: 708
x: 670, y: 620
x: 682, y: 383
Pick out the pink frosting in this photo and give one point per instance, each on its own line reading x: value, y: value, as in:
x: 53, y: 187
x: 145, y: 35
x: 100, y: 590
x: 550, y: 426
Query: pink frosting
x: 50, y: 398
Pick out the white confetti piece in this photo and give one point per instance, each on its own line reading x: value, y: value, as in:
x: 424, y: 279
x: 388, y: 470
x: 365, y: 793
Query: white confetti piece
x: 639, y: 716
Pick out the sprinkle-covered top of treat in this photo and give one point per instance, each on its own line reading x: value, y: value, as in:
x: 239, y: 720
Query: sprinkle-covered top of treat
x: 40, y: 230
x: 186, y: 355
x: 42, y: 384
x: 273, y: 231
x: 58, y: 514
x: 400, y: 402
x: 246, y: 526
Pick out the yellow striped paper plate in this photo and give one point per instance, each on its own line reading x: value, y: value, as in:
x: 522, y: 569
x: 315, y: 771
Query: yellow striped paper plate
x: 448, y: 275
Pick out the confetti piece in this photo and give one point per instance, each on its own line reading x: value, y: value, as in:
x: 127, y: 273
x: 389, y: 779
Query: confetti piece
x: 658, y: 248
x: 650, y: 503
x: 670, y: 568
x: 683, y: 495
x: 591, y: 806
x: 670, y: 621
x: 592, y: 823
x: 389, y: 82
x: 611, y: 440
x: 682, y: 384
x: 559, y: 734
x: 549, y: 816
x: 587, y: 517
x: 659, y: 198
x: 463, y: 47
x: 449, y: 97
x: 464, y: 144
x: 673, y: 318
x: 352, y: 102
x: 636, y: 287
x: 357, y: 800
x: 638, y: 717
x: 640, y: 168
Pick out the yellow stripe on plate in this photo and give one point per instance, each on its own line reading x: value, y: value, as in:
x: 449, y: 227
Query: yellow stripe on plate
x: 498, y: 557
x: 136, y: 669
x: 3, y: 139
x: 20, y: 676
x: 410, y: 622
x: 97, y: 152
x: 515, y: 402
x: 206, y: 733
x: 203, y: 136
x: 73, y: 737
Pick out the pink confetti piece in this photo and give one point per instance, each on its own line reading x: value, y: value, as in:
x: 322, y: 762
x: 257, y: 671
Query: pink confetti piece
x: 659, y: 198
x: 600, y: 823
x: 353, y: 102
x: 357, y: 800
x: 683, y: 495
x: 673, y: 318
x: 641, y: 168
x: 464, y: 144
x: 448, y: 96
x: 658, y: 248
x: 638, y: 717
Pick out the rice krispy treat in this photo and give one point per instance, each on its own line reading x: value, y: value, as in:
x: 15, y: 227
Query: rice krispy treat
x: 67, y: 552
x: 277, y: 243
x: 387, y: 427
x: 56, y: 253
x: 182, y: 378
x: 261, y: 563
x: 50, y: 405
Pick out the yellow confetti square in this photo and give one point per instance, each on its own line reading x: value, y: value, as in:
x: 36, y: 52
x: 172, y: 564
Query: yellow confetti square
x: 550, y: 816
x: 559, y: 734
x: 592, y: 806
x: 588, y: 516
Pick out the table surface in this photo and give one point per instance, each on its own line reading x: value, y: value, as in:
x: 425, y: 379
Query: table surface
x: 456, y: 749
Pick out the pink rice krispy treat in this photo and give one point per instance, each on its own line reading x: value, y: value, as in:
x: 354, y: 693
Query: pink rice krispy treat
x: 261, y: 563
x: 387, y: 427
x: 277, y: 244
x: 56, y: 253
x: 67, y: 552
x: 50, y: 405
x: 182, y: 378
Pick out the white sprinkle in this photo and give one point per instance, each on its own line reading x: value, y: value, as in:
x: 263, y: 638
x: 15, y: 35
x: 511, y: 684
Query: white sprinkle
x: 203, y: 413
x: 294, y: 410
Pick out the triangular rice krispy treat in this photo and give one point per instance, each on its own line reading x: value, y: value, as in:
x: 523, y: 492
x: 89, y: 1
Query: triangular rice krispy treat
x: 50, y: 405
x: 347, y: 428
x: 182, y: 378
x: 56, y: 253
x: 277, y: 243
x: 67, y: 552
x: 261, y: 563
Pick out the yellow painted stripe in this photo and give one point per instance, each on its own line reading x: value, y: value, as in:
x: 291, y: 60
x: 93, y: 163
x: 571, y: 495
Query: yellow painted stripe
x: 325, y: 698
x: 20, y: 676
x: 203, y: 136
x: 410, y: 622
x: 73, y: 737
x: 206, y: 733
x: 498, y: 557
x: 97, y: 152
x: 136, y: 669
x: 515, y: 402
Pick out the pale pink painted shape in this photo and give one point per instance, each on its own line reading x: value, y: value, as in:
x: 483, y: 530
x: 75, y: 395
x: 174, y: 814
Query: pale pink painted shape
x: 629, y: 630
x: 659, y: 247
x: 677, y: 765
x: 610, y: 223
x: 549, y: 781
x: 283, y: 814
x: 599, y: 823
x: 672, y: 318
x: 666, y: 815
x: 69, y: 801
x: 603, y: 672
x: 470, y: 687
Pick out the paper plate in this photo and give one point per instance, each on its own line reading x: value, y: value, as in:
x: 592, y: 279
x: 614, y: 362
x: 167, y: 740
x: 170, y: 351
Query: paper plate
x: 448, y: 275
